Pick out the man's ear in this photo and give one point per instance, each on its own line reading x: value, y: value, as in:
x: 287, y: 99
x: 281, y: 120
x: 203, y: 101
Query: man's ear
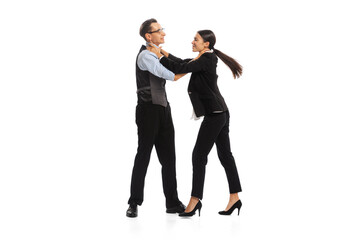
x: 148, y: 37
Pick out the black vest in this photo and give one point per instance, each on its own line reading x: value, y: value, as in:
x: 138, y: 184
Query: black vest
x: 150, y: 88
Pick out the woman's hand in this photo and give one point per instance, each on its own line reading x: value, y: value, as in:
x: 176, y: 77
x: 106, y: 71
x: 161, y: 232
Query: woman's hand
x: 156, y: 50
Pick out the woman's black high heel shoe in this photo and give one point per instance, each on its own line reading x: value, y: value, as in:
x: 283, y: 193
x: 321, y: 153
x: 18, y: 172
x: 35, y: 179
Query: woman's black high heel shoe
x: 237, y: 205
x: 192, y: 213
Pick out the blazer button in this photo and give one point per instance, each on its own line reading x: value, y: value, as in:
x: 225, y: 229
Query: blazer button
x: 189, y: 92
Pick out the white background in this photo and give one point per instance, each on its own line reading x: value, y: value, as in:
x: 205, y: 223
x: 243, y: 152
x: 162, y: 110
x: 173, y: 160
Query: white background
x: 67, y: 119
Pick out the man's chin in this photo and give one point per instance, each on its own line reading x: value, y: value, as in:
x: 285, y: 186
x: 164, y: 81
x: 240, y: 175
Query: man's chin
x: 158, y: 43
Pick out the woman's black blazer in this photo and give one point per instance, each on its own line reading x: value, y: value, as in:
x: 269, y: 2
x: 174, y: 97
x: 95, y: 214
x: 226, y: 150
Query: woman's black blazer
x: 203, y: 89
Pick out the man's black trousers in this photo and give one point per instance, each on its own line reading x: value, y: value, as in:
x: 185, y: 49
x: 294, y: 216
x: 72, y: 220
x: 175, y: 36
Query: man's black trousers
x: 155, y: 128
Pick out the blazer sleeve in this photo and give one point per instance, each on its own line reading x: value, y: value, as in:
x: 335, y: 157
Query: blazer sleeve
x: 185, y: 67
x: 176, y: 59
x: 179, y: 60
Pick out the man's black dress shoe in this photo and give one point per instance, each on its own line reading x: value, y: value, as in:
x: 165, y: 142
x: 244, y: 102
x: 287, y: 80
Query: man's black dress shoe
x: 132, y: 211
x: 177, y: 209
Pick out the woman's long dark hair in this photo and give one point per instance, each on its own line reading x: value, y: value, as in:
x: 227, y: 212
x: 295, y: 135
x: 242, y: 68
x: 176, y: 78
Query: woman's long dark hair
x: 235, y: 67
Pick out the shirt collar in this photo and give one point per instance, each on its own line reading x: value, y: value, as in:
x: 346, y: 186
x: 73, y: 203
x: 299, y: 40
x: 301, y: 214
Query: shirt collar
x: 148, y: 44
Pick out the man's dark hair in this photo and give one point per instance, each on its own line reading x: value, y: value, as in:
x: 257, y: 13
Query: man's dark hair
x: 145, y: 27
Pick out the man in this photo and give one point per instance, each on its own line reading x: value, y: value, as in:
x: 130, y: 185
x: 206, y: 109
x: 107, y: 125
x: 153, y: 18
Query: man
x: 154, y: 122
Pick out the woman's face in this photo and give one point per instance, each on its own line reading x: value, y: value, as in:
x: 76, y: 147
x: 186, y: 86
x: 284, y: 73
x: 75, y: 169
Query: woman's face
x: 198, y: 43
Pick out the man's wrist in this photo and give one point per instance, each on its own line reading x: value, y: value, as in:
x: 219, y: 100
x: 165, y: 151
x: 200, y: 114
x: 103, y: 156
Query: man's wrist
x: 163, y: 52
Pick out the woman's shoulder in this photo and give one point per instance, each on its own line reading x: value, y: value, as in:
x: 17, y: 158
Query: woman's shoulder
x: 209, y: 56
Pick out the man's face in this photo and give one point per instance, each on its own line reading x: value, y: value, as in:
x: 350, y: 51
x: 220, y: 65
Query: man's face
x: 157, y: 34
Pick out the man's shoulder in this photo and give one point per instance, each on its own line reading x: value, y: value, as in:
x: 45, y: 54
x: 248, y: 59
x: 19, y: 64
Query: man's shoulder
x: 147, y: 55
x: 144, y: 52
x: 146, y: 59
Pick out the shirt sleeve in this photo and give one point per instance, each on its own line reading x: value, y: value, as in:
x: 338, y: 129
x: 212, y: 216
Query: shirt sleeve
x: 148, y: 61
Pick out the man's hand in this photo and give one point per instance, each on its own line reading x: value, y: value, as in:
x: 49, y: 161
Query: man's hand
x: 179, y: 75
x: 200, y: 53
x: 156, y: 50
x: 165, y: 53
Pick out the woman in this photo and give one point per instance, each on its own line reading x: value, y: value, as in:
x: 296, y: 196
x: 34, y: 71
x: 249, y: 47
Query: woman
x: 208, y: 102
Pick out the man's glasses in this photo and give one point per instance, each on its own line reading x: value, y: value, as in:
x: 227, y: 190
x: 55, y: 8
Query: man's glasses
x: 158, y: 31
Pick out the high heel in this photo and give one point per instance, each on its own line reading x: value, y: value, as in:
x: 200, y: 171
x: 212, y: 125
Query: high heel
x: 192, y: 213
x: 237, y: 205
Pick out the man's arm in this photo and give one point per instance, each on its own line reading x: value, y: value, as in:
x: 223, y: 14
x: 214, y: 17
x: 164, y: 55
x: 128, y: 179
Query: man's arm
x: 148, y: 61
x: 178, y: 76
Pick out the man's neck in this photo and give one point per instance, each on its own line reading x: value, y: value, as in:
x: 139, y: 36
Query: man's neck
x: 156, y: 45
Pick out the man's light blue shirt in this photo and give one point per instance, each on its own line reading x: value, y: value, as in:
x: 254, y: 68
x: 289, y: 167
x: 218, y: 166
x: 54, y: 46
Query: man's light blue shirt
x: 148, y: 61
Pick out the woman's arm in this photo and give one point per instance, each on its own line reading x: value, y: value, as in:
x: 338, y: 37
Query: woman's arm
x: 197, y: 65
x: 179, y: 60
x: 174, y: 58
x: 161, y: 52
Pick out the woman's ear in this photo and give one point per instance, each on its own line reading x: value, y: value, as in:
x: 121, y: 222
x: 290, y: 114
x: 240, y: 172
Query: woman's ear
x: 207, y: 44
